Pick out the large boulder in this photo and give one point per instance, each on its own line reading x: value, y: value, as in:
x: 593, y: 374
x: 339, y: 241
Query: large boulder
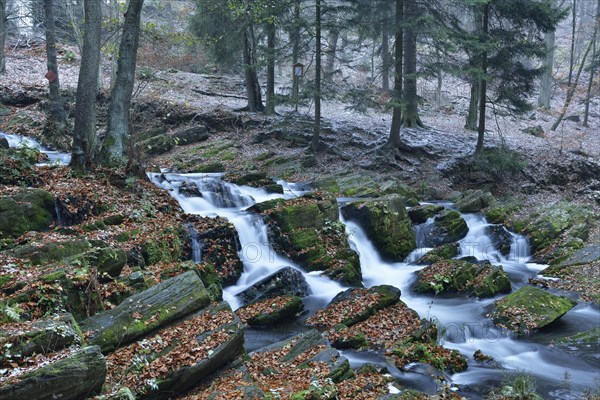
x: 444, y: 252
x: 473, y: 201
x: 287, y: 281
x: 386, y: 222
x: 29, y: 210
x: 447, y: 227
x: 529, y: 309
x: 194, y: 134
x: 77, y: 375
x: 464, y: 277
x: 181, y: 356
x: 307, y: 230
x: 52, y: 252
x: 158, y: 144
x: 257, y: 180
x: 146, y: 311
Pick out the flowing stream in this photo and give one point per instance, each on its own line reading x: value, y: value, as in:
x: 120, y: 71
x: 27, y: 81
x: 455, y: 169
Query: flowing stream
x: 54, y: 157
x: 560, y: 373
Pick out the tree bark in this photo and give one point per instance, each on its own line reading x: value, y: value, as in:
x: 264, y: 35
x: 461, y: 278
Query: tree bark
x: 332, y: 39
x: 394, y: 138
x: 3, y: 28
x: 253, y: 93
x: 483, y: 84
x: 111, y: 153
x: 57, y: 112
x: 471, y: 123
x: 317, y: 126
x: 385, y: 60
x: 410, y: 118
x: 593, y: 67
x: 573, y: 42
x: 270, y: 68
x: 87, y: 86
x: 547, y: 81
x: 295, y: 39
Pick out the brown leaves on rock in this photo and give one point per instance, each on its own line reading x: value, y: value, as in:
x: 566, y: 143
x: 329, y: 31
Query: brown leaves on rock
x: 267, y: 306
x: 336, y: 313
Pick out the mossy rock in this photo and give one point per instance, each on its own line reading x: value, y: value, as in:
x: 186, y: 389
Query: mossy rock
x: 29, y: 210
x: 589, y: 337
x: 529, y: 309
x: 356, y: 341
x: 257, y: 180
x: 473, y: 201
x: 77, y: 376
x: 410, y: 350
x: 169, y: 246
x: 420, y: 214
x: 307, y: 230
x: 463, y: 277
x: 449, y: 226
x: 51, y: 252
x: 386, y: 222
x: 158, y: 144
x: 144, y: 312
x: 207, y: 167
x: 444, y: 252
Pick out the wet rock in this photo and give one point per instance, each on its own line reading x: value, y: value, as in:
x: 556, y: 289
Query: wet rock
x: 190, y: 189
x: 364, y: 184
x: 307, y: 231
x: 386, y: 222
x: 529, y: 309
x: 447, y: 227
x: 257, y: 180
x: 443, y: 252
x: 143, y: 312
x: 4, y: 143
x: 28, y: 210
x: 473, y: 201
x: 73, y: 210
x: 184, y: 354
x: 286, y: 281
x: 463, y: 277
x: 420, y: 214
x: 76, y: 376
x: 585, y: 255
x: 219, y: 243
x: 42, y: 337
x: 271, y: 311
x: 573, y: 118
x: 500, y: 238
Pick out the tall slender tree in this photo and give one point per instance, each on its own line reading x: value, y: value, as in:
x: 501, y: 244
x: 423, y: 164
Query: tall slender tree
x: 3, y: 30
x: 58, y: 116
x: 84, y: 135
x: 317, y: 95
x: 410, y: 117
x: 394, y: 138
x: 118, y: 128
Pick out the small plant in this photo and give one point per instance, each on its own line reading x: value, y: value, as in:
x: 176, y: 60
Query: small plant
x: 516, y: 387
x: 69, y: 56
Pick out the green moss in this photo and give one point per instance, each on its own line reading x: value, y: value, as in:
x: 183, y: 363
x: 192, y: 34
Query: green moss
x: 410, y: 350
x: 341, y: 372
x: 264, y: 156
x: 54, y: 277
x: 94, y: 226
x: 208, y: 167
x: 444, y: 252
x: 453, y: 223
x: 4, y: 279
x: 591, y: 336
x: 30, y: 210
x: 530, y: 308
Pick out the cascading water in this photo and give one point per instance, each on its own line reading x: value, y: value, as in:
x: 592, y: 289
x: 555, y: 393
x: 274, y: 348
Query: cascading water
x: 560, y: 375
x: 54, y: 157
x: 207, y: 195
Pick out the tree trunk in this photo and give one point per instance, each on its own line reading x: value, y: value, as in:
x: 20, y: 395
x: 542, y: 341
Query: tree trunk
x: 115, y: 15
x: 270, y: 69
x: 295, y: 39
x: 472, y: 115
x: 547, y: 81
x: 332, y: 39
x: 410, y: 119
x: 593, y: 67
x: 85, y: 106
x: 385, y: 60
x: 3, y: 28
x: 573, y: 42
x: 253, y: 93
x: 111, y: 153
x: 57, y: 112
x: 573, y: 87
x: 317, y: 127
x: 483, y: 84
x: 74, y: 22
x: 394, y: 138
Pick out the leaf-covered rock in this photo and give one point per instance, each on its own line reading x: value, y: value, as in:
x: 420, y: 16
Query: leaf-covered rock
x: 387, y: 224
x: 529, y: 309
x: 143, y: 312
x: 443, y: 252
x: 271, y: 311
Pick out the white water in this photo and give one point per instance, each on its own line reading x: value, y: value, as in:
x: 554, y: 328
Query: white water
x: 463, y: 322
x: 258, y: 257
x: 54, y: 157
x: 462, y: 319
